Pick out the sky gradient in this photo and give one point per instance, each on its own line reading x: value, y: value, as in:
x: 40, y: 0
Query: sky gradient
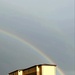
x: 48, y: 25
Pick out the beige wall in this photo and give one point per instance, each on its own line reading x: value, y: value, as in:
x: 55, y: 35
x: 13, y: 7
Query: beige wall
x: 37, y: 70
x: 20, y: 72
x: 48, y: 70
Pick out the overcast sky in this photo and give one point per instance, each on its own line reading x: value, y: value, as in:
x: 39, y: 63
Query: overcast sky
x: 48, y: 25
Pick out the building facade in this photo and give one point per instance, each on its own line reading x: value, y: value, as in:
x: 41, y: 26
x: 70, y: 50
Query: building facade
x: 16, y: 72
x: 42, y: 69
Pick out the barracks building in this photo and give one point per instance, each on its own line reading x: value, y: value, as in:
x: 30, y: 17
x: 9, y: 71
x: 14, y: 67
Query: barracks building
x: 42, y: 69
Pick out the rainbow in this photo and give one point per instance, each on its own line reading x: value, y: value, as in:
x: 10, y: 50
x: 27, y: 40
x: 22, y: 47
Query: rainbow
x: 31, y: 46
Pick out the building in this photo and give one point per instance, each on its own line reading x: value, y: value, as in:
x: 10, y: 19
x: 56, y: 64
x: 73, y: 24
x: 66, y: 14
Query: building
x: 42, y: 69
x: 16, y: 72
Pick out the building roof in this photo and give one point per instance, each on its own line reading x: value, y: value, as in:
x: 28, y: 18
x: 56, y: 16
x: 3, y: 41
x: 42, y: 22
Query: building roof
x: 16, y: 71
x: 40, y: 65
x: 32, y: 67
x: 46, y: 65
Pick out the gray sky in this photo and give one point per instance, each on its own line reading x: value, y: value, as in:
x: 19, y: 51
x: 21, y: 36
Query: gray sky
x: 46, y: 24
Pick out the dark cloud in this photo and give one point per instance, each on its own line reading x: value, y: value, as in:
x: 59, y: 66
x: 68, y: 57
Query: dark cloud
x: 50, y: 30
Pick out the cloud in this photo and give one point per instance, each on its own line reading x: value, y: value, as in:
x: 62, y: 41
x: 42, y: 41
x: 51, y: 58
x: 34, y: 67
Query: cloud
x: 48, y: 26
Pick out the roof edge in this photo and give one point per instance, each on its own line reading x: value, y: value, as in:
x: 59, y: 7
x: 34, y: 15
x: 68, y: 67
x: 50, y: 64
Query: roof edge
x: 32, y: 67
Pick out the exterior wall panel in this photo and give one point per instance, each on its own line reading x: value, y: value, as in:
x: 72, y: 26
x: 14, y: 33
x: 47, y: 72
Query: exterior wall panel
x: 48, y: 70
x: 20, y: 72
x: 14, y: 73
x: 30, y: 71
